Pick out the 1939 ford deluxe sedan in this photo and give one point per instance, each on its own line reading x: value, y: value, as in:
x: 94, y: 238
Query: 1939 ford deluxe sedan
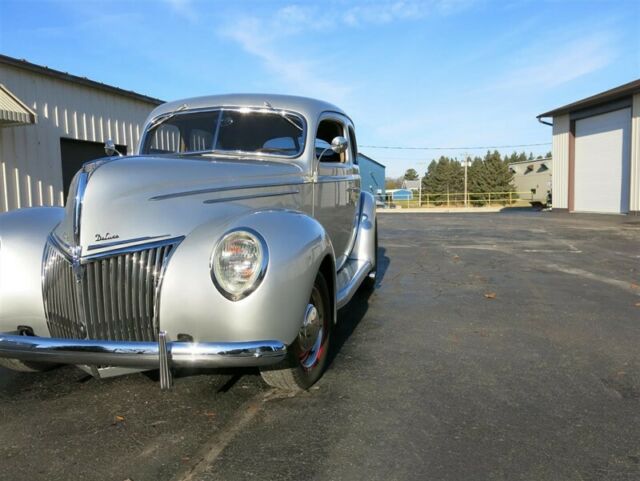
x: 231, y: 239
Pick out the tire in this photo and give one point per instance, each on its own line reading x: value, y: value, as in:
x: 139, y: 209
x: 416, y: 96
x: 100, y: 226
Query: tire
x: 25, y: 366
x: 307, y: 355
x: 369, y: 282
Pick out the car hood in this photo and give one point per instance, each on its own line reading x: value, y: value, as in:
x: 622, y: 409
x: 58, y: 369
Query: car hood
x: 134, y: 199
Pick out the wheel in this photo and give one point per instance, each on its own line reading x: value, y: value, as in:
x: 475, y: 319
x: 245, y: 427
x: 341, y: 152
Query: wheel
x: 25, y: 366
x: 369, y: 282
x: 307, y: 355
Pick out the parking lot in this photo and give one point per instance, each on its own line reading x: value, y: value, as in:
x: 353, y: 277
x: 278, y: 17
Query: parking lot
x: 497, y: 346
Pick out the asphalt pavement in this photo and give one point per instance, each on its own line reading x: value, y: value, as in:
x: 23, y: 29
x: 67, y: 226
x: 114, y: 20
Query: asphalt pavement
x: 497, y: 346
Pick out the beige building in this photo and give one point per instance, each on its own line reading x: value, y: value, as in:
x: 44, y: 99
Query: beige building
x: 596, y: 152
x: 51, y: 122
x: 532, y: 177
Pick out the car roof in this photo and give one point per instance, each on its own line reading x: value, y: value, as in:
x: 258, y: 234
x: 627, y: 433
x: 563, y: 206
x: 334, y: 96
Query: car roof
x: 308, y: 107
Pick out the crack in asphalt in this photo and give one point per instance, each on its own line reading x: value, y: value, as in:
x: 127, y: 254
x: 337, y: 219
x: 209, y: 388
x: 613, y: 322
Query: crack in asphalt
x: 211, y: 450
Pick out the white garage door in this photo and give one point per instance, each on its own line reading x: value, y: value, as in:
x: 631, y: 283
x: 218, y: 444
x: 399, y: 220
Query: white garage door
x: 601, y: 181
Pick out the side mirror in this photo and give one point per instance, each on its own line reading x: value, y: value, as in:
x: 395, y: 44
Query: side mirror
x: 110, y: 148
x: 339, y: 144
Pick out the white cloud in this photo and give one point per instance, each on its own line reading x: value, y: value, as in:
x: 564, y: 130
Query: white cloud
x: 185, y: 8
x: 562, y: 63
x: 261, y: 40
x: 274, y: 39
x: 400, y: 10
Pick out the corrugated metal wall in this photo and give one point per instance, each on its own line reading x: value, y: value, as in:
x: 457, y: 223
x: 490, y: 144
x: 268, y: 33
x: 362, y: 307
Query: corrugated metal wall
x: 560, y: 165
x: 634, y: 199
x: 372, y: 176
x: 30, y: 164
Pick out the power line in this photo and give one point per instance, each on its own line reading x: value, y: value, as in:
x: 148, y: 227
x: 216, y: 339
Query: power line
x: 480, y: 147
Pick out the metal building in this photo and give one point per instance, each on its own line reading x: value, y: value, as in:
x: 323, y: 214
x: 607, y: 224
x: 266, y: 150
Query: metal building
x: 372, y: 174
x: 596, y: 152
x: 532, y: 176
x: 51, y: 122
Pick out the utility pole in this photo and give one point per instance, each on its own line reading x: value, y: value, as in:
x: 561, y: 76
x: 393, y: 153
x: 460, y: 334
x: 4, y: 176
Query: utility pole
x: 420, y: 177
x: 466, y: 162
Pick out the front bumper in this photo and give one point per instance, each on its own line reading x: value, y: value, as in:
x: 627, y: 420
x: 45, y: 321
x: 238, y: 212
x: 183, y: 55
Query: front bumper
x: 162, y: 355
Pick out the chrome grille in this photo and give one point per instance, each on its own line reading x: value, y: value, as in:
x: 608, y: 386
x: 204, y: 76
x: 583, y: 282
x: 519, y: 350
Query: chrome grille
x: 107, y: 298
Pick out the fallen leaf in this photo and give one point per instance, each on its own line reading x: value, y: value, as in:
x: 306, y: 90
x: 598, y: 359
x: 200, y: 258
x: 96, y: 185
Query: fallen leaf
x: 117, y: 420
x: 634, y: 286
x: 637, y: 304
x: 210, y: 414
x: 490, y: 295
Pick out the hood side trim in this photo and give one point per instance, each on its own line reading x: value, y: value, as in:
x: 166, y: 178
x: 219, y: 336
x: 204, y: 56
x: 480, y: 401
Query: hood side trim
x: 224, y: 189
x: 250, y: 196
x: 133, y: 248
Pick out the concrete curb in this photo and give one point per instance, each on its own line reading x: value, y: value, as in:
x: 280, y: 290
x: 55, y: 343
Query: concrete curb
x: 439, y: 210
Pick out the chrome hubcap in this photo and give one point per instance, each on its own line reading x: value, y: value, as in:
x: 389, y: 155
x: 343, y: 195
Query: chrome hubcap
x: 310, y: 328
x: 311, y: 335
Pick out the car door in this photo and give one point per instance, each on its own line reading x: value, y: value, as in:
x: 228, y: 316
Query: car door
x: 337, y: 190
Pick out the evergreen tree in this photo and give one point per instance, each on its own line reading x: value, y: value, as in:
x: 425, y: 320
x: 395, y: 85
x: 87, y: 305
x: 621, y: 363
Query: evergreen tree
x: 411, y: 174
x: 490, y: 174
x: 444, y: 176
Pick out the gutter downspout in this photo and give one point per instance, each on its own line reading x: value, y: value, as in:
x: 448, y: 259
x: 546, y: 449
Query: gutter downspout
x: 544, y: 122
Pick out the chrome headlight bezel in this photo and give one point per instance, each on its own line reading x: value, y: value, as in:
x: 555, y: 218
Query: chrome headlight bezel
x: 220, y: 284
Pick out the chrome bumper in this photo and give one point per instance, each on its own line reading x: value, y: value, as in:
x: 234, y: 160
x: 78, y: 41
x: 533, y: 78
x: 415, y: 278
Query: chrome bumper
x: 149, y: 355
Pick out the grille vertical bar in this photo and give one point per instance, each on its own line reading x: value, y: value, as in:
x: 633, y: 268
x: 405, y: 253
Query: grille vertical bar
x: 119, y: 294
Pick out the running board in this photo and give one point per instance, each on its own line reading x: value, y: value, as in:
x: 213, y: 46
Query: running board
x: 349, y: 279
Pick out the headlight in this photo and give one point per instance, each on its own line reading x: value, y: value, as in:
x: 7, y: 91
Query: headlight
x: 238, y: 263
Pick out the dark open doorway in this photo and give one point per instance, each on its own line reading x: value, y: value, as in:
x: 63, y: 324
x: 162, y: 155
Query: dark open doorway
x: 74, y: 153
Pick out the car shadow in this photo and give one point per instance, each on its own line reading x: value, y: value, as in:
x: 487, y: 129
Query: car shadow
x: 349, y: 316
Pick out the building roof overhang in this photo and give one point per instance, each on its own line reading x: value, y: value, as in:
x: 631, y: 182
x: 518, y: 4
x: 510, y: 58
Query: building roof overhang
x: 13, y: 111
x: 611, y: 95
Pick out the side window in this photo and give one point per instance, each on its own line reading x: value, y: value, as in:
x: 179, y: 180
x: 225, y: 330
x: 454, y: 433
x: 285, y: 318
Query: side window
x: 327, y: 131
x: 353, y: 145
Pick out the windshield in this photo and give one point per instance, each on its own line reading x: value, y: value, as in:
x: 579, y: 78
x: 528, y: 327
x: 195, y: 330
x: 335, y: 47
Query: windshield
x: 235, y: 131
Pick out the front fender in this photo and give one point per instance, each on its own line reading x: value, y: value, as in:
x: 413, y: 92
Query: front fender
x: 191, y: 304
x: 23, y: 234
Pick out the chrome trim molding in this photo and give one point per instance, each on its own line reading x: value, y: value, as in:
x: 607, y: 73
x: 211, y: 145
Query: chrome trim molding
x: 245, y: 109
x: 250, y: 196
x: 141, y: 354
x: 213, y: 190
x: 323, y: 179
x: 81, y: 187
x: 132, y: 248
x: 166, y: 380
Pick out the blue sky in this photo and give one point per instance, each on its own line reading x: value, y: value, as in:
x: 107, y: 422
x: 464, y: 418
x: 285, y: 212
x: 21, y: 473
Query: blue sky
x: 410, y: 73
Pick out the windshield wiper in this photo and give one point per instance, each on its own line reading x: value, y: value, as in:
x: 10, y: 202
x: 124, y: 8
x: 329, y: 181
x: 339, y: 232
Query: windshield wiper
x: 282, y: 114
x: 161, y: 120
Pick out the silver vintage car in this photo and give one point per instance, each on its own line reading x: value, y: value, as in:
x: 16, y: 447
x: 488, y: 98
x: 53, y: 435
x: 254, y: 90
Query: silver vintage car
x: 231, y: 239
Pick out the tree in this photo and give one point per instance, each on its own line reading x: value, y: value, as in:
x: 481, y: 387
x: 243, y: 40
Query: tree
x: 490, y: 174
x: 411, y: 174
x: 393, y: 183
x: 443, y: 176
